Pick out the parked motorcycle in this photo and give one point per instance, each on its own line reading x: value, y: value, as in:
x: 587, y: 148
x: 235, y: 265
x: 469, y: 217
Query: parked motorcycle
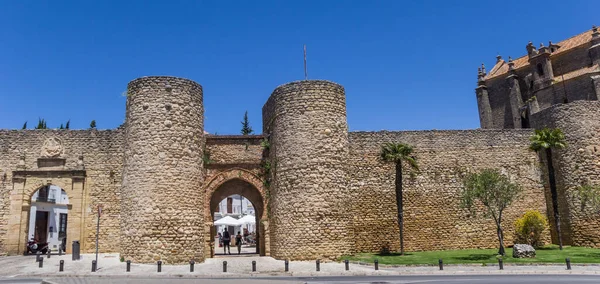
x: 33, y: 246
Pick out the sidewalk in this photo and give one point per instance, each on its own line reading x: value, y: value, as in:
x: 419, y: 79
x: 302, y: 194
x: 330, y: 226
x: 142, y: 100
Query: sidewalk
x: 110, y: 265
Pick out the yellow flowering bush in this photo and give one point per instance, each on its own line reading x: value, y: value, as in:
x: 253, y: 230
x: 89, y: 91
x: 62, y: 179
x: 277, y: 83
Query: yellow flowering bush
x: 529, y: 228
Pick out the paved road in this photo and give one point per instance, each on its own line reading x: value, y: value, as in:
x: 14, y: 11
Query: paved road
x: 469, y: 279
x: 21, y: 281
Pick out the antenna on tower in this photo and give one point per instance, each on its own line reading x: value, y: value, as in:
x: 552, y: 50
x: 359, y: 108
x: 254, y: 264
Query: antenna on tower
x: 305, y: 71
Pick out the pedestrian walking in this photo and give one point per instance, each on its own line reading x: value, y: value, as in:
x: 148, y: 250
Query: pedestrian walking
x: 238, y: 242
x: 226, y: 242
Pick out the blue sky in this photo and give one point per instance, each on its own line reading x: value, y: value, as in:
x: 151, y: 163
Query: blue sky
x: 406, y: 65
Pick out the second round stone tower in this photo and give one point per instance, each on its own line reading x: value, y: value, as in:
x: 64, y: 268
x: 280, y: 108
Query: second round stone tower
x: 161, y: 194
x: 306, y: 125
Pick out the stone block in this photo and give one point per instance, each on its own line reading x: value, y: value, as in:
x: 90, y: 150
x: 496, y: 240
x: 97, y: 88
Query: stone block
x: 523, y: 251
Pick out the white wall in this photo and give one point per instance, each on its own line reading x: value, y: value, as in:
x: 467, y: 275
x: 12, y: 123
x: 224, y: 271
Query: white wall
x: 246, y: 205
x: 54, y: 210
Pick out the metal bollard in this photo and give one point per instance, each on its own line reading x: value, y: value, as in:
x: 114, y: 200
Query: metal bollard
x: 287, y: 265
x: 253, y: 266
x: 318, y: 265
x: 376, y: 264
x: 441, y: 262
x: 191, y: 266
x: 41, y: 262
x: 59, y: 252
x: 159, y: 266
x: 61, y: 266
x: 224, y: 266
x: 48, y: 252
x: 568, y: 260
x: 93, y: 266
x: 38, y: 255
x: 128, y: 269
x: 501, y: 264
x: 347, y: 264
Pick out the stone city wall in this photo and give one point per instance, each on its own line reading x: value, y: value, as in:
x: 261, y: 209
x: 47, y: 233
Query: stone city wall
x: 433, y: 219
x: 162, y: 201
x: 306, y: 121
x: 233, y: 150
x: 102, y: 153
x: 575, y: 165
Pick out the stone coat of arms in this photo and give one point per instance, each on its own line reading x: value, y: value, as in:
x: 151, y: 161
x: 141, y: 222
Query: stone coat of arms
x: 52, y: 148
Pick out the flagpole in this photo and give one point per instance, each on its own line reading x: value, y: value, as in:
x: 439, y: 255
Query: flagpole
x: 305, y: 71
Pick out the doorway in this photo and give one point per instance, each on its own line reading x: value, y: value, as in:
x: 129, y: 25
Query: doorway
x: 236, y: 184
x: 41, y: 226
x: 48, y: 217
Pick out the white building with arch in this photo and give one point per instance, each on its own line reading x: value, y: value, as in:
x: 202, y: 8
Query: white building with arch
x: 48, y: 217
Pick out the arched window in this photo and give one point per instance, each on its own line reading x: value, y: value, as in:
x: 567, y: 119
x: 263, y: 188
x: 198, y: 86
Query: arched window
x: 540, y: 69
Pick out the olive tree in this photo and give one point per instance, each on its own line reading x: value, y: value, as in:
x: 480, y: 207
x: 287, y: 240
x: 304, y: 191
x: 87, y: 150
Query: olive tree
x: 494, y: 191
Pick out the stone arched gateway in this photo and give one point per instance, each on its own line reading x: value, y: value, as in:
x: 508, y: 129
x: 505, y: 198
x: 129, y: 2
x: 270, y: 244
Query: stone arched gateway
x: 236, y: 181
x: 25, y: 184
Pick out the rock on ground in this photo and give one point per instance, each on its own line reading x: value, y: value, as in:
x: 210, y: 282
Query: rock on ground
x: 523, y: 251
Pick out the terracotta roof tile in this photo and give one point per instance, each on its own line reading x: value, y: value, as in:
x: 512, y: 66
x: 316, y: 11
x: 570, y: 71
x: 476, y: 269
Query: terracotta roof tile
x: 502, y: 68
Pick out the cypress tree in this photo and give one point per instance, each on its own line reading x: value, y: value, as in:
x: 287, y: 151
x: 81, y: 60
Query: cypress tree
x: 246, y: 128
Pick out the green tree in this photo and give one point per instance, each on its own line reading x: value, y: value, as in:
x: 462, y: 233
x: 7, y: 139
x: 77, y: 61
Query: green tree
x: 398, y: 153
x: 41, y: 124
x: 547, y: 139
x: 589, y: 196
x: 93, y: 124
x: 61, y: 126
x: 24, y: 125
x: 246, y: 129
x: 68, y: 124
x: 495, y: 191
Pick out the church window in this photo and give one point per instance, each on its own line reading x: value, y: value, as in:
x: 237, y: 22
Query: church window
x: 540, y: 69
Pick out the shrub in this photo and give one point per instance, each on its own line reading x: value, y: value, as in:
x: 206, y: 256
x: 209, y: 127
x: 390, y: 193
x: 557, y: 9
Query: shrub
x: 530, y: 227
x: 385, y: 249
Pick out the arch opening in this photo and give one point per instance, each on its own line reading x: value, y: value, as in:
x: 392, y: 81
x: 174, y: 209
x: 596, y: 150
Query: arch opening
x: 48, y: 218
x: 220, y: 201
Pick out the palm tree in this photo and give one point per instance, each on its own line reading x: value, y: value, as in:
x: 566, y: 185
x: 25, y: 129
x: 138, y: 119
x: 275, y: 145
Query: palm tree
x: 397, y: 153
x: 548, y: 139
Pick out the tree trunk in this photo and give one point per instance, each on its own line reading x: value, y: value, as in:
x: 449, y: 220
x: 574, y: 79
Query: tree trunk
x: 399, y: 204
x: 554, y: 194
x: 500, y: 237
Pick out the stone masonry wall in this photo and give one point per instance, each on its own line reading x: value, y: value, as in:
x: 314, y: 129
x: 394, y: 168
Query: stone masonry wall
x: 238, y: 150
x: 102, y: 158
x: 306, y: 121
x: 162, y: 201
x: 578, y: 163
x: 432, y: 215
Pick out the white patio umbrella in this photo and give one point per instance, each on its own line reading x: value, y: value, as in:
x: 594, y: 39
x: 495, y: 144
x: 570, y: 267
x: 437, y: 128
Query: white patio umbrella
x: 248, y: 219
x: 227, y: 221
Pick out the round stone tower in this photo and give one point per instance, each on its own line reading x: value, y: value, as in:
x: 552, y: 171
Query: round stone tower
x: 308, y: 134
x: 161, y: 196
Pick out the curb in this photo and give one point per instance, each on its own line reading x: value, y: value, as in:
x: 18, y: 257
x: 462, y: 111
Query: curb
x: 469, y: 264
x: 314, y: 274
